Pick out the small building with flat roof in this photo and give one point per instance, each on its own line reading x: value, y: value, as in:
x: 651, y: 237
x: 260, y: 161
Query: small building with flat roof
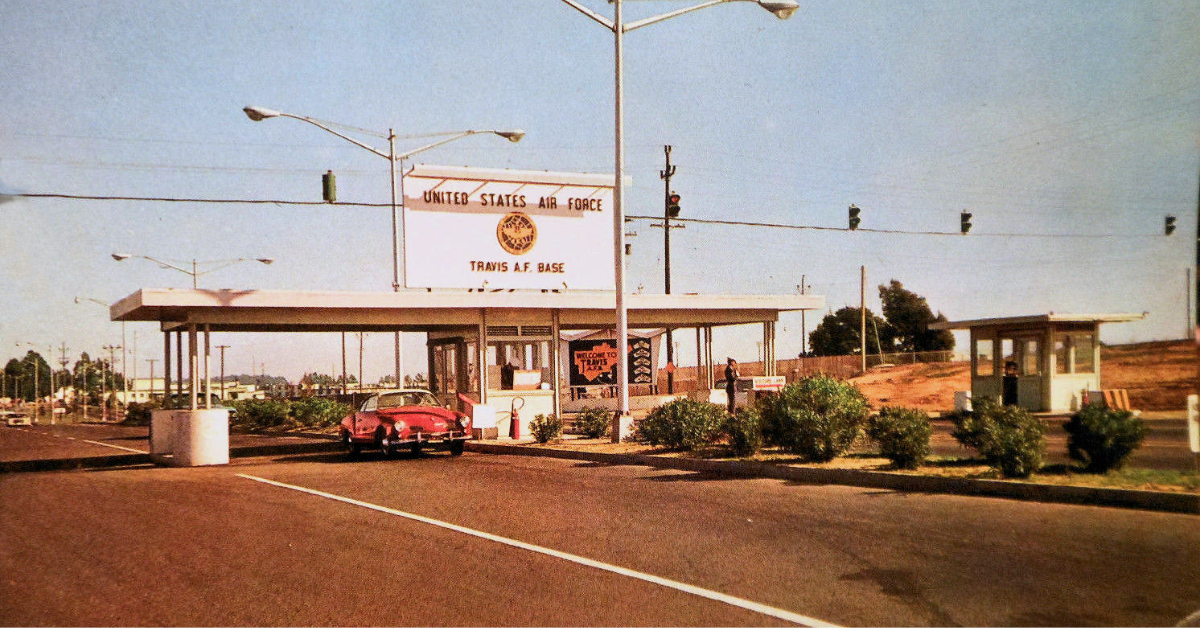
x: 1056, y: 357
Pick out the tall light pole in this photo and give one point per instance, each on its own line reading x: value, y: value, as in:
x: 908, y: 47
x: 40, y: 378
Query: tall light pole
x: 258, y: 114
x: 782, y: 9
x: 195, y: 271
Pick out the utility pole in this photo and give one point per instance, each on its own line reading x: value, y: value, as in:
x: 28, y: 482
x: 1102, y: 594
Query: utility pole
x: 803, y: 322
x: 863, y: 311
x: 151, y: 396
x: 667, y: 172
x: 111, y: 362
x: 222, y: 348
x: 343, y: 363
x: 1187, y: 291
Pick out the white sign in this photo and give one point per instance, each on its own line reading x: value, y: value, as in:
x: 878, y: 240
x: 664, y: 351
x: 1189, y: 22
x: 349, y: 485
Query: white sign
x: 506, y: 229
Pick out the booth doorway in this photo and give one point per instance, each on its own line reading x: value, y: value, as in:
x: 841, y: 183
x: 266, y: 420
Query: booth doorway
x: 453, y: 369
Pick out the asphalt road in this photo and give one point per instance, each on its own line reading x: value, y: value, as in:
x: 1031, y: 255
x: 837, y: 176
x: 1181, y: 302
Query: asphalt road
x: 219, y: 546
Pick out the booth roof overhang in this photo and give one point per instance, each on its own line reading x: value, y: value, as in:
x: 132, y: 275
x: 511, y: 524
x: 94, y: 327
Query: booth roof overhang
x: 227, y: 310
x: 1038, y: 319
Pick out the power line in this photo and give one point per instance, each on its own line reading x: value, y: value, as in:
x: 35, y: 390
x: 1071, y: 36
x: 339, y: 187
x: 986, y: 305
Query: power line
x: 217, y: 201
x: 698, y: 221
x: 745, y: 223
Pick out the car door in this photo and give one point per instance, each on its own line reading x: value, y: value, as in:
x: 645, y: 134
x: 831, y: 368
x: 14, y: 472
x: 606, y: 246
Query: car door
x: 367, y: 419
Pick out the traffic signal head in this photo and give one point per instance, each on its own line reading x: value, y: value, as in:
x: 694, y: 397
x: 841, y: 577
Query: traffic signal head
x: 965, y: 222
x: 1169, y: 225
x: 329, y: 187
x: 673, y: 205
x: 854, y: 219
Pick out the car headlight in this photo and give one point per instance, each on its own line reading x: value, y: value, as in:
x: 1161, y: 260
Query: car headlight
x: 400, y: 426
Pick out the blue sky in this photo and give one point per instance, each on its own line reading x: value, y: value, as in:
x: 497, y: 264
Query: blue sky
x: 1069, y: 130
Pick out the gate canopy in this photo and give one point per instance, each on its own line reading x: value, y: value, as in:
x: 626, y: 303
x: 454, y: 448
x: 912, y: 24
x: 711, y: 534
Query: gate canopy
x: 413, y: 311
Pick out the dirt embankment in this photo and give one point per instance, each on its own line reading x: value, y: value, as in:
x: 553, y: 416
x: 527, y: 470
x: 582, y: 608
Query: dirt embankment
x: 1158, y: 376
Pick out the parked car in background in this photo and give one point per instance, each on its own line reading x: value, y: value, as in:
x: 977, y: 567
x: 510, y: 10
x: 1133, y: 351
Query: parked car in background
x: 182, y: 402
x: 410, y: 418
x: 14, y: 419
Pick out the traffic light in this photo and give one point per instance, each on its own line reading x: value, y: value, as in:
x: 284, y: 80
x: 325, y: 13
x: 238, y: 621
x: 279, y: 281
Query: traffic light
x: 854, y: 219
x: 329, y: 187
x: 1169, y: 225
x: 673, y: 205
x: 965, y: 221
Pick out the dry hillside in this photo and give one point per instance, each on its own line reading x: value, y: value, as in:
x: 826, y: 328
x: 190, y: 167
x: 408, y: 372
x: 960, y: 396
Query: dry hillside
x: 1158, y: 376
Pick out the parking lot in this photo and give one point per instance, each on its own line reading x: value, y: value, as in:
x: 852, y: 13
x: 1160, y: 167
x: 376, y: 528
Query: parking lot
x: 306, y: 536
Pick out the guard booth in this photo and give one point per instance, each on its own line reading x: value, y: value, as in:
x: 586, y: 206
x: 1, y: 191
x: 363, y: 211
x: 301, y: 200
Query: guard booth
x: 1056, y: 357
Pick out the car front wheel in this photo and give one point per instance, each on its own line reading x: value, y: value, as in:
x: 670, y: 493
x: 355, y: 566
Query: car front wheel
x: 456, y: 447
x: 384, y: 444
x: 352, y: 448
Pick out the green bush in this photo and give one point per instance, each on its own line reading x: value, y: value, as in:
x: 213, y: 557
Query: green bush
x: 258, y: 414
x: 139, y: 413
x: 546, y: 427
x: 744, y: 431
x: 969, y: 424
x: 682, y: 424
x: 903, y: 435
x: 594, y: 422
x: 1015, y: 442
x: 318, y: 412
x: 1102, y: 438
x: 818, y: 418
x: 1011, y: 439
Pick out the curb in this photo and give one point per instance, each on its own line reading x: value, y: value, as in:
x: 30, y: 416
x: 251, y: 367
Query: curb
x: 1186, y: 503
x: 134, y: 460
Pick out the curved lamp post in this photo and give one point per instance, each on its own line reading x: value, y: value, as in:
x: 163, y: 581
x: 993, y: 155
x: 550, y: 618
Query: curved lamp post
x: 258, y: 114
x: 195, y: 272
x: 783, y: 9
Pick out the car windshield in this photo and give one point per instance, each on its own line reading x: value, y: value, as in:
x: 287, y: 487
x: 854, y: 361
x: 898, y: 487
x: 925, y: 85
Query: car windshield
x: 407, y: 398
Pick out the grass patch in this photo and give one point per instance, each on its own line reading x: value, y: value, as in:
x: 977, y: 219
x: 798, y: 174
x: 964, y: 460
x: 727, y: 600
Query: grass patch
x: 965, y: 467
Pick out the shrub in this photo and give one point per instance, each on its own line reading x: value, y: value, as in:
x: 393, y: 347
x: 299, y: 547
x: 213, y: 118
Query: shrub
x: 257, y: 414
x: 682, y: 424
x: 545, y: 427
x: 1011, y: 439
x: 818, y: 418
x: 1102, y: 438
x: 594, y: 422
x: 318, y: 412
x: 744, y: 431
x: 139, y: 413
x: 903, y: 435
x: 1014, y: 442
x: 969, y: 424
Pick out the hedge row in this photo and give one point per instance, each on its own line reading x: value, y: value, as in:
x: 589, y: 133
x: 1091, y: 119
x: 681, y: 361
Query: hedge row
x: 820, y: 418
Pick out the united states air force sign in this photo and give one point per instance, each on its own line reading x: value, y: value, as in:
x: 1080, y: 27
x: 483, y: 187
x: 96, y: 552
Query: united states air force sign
x: 507, y: 229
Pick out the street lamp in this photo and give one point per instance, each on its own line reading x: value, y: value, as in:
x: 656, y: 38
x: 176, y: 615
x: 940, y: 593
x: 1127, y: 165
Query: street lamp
x: 258, y: 114
x: 195, y: 272
x: 783, y: 9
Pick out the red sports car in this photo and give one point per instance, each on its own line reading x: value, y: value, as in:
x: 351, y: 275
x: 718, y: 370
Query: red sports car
x: 412, y: 418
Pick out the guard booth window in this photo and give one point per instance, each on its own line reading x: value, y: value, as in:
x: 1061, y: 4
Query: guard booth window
x: 1031, y: 357
x: 1084, y: 346
x: 1077, y: 349
x: 983, y: 358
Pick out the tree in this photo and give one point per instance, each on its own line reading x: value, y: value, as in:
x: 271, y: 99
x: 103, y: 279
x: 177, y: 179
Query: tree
x: 838, y: 333
x: 909, y: 316
x: 20, y: 374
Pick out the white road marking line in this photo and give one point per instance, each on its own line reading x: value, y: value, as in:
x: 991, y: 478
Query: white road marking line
x: 717, y: 596
x: 136, y: 451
